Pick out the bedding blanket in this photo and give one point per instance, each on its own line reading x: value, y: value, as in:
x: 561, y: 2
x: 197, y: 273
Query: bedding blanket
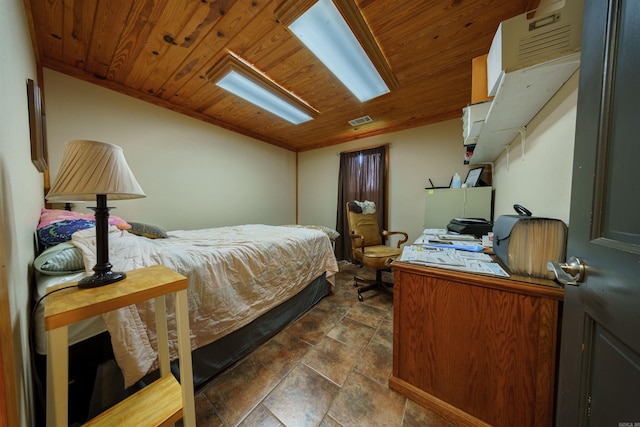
x: 235, y: 274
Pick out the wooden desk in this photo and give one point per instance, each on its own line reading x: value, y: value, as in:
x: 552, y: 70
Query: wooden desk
x: 170, y: 400
x: 479, y: 350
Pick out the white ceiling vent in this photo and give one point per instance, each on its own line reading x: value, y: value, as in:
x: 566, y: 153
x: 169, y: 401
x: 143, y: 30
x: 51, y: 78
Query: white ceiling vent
x: 360, y: 121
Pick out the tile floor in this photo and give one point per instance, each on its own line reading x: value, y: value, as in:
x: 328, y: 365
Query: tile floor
x: 329, y: 368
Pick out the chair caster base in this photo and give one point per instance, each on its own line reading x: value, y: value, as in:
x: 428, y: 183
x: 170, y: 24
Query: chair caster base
x: 371, y: 284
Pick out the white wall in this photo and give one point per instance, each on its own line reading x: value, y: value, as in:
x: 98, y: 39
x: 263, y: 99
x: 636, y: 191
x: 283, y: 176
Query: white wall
x: 542, y: 181
x: 195, y: 175
x: 433, y: 151
x: 21, y: 193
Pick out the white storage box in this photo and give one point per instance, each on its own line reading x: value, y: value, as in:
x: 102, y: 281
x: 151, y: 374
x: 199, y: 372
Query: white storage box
x: 473, y: 117
x: 534, y: 37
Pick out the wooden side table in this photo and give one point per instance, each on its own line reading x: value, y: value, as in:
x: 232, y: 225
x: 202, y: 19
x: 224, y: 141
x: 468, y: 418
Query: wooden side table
x: 162, y: 402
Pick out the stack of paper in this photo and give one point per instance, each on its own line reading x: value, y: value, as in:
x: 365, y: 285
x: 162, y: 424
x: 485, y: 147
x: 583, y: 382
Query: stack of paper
x: 440, y: 239
x: 472, y: 262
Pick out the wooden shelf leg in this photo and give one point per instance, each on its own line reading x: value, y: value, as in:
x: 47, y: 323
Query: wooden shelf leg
x: 58, y: 368
x: 162, y: 336
x: 184, y: 353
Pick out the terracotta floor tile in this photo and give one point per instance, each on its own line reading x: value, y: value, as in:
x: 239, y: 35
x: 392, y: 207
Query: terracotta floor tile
x: 378, y: 299
x: 334, y: 307
x: 302, y: 398
x: 384, y: 334
x: 417, y: 416
x: 376, y: 363
x: 364, y: 402
x: 260, y: 416
x: 311, y: 328
x: 237, y: 391
x: 330, y: 369
x: 332, y: 359
x: 282, y: 352
x: 352, y: 333
x: 327, y: 421
x: 206, y: 415
x: 367, y: 314
x: 349, y: 294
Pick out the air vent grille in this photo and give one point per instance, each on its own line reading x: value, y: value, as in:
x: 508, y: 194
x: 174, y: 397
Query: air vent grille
x: 554, y: 40
x: 360, y: 121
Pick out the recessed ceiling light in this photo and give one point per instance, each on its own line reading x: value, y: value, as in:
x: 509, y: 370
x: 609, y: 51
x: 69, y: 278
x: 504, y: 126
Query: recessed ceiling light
x: 245, y: 81
x: 326, y: 33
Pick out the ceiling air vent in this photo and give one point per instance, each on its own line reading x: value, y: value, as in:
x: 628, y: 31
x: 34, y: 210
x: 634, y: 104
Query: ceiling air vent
x: 360, y: 121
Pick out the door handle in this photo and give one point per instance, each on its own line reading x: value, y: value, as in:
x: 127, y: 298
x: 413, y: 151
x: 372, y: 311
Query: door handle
x: 569, y: 273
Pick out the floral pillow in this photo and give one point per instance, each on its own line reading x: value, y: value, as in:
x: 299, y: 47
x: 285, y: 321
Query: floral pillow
x: 57, y: 226
x: 50, y: 216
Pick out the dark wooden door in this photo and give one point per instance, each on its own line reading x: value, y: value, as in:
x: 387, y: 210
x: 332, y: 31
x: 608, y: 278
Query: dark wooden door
x: 599, y: 378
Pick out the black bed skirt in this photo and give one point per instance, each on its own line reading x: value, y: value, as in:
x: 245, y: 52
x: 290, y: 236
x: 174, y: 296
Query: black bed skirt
x: 210, y: 360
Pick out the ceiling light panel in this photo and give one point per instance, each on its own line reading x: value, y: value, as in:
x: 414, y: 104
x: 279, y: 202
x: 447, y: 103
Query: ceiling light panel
x: 325, y: 32
x: 241, y: 86
x: 237, y: 76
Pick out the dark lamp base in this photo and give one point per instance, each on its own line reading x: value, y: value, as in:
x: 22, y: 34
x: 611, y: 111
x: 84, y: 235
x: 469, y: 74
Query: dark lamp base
x: 101, y: 279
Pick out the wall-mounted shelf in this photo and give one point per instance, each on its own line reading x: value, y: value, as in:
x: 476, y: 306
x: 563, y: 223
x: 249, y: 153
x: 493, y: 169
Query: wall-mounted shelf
x: 473, y: 117
x: 521, y: 94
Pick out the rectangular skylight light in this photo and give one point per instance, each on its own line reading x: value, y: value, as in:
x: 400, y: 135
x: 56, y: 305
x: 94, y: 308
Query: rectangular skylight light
x: 252, y: 92
x: 241, y: 78
x: 325, y: 32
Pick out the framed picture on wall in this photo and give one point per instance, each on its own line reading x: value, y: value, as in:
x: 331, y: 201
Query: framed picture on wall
x: 37, y: 127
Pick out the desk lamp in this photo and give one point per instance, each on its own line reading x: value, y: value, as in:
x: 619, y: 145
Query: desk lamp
x: 92, y: 169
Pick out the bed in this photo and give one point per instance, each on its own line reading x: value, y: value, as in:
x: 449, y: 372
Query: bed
x: 246, y: 283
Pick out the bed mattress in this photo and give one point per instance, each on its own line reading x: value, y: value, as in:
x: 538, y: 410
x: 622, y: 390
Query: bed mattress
x: 235, y: 274
x: 79, y: 331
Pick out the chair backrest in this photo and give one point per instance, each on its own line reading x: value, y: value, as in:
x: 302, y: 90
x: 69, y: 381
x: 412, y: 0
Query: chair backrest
x: 363, y: 224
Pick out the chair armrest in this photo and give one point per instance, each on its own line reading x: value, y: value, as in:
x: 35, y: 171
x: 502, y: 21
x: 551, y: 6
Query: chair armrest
x: 355, y: 236
x: 386, y: 234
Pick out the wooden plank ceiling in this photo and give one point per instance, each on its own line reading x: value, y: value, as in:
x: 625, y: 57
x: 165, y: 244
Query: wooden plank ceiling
x: 160, y: 51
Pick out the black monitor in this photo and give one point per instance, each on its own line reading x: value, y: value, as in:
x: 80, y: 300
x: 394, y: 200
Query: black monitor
x: 473, y: 177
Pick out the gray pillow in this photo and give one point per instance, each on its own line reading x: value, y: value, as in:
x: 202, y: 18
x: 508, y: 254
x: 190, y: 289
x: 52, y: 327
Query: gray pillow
x: 147, y: 230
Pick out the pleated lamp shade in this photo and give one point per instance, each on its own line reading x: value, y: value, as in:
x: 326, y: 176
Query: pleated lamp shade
x: 93, y: 170
x: 91, y: 167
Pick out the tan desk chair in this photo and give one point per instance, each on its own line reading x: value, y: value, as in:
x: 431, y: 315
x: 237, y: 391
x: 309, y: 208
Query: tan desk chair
x: 368, y: 248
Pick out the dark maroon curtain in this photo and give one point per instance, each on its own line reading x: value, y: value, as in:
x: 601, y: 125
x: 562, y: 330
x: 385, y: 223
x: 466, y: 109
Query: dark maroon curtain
x: 362, y: 176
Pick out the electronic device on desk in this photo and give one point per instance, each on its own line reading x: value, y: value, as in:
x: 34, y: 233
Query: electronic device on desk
x: 433, y: 187
x: 473, y: 177
x: 476, y: 226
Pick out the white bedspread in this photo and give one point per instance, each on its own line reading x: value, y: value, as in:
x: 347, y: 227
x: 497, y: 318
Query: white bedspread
x: 235, y: 274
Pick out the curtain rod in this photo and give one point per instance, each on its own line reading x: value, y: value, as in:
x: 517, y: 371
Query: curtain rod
x: 389, y: 144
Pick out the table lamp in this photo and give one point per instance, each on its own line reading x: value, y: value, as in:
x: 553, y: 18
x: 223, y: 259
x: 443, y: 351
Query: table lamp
x: 93, y: 169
